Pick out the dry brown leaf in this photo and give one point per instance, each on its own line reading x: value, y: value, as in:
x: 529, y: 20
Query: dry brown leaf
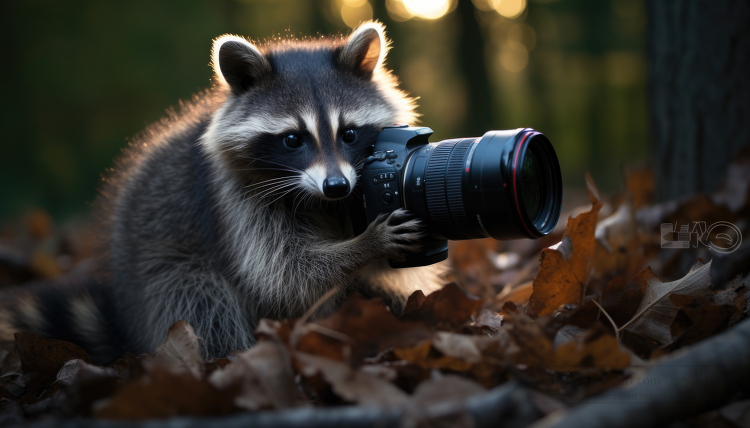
x: 617, y: 244
x: 162, y: 394
x: 564, y: 271
x: 45, y: 357
x: 621, y: 297
x: 414, y: 301
x: 518, y: 295
x: 351, y: 384
x: 361, y: 328
x: 530, y: 346
x: 446, y: 309
x: 698, y: 319
x: 487, y: 321
x: 422, y: 356
x: 604, y: 352
x: 180, y: 352
x: 656, y: 312
x: 266, y: 375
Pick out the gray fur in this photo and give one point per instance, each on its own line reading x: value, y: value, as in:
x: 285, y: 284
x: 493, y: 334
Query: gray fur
x: 197, y: 230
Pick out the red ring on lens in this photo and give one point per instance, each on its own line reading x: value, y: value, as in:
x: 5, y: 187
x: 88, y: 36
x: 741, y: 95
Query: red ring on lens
x: 519, y: 149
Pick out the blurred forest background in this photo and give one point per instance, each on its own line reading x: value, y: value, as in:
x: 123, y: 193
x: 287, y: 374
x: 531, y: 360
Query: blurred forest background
x: 81, y: 78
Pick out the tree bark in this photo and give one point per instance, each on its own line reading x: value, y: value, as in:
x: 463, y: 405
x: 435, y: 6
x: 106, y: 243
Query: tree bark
x: 699, y: 72
x: 473, y: 65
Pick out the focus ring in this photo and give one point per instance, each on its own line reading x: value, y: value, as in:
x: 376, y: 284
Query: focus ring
x: 453, y: 188
x: 435, y: 187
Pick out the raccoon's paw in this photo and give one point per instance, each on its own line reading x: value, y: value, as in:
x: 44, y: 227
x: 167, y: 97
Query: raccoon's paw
x: 397, y: 234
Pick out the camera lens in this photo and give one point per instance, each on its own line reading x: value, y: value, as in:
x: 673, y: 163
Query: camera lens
x: 505, y: 185
x: 532, y: 184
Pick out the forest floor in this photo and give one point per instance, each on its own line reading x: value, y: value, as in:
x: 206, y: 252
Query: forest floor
x: 570, y: 316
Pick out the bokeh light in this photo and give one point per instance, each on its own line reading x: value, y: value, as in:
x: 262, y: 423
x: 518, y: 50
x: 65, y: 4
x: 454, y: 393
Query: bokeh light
x: 403, y: 10
x: 355, y: 15
x: 354, y: 3
x: 514, y: 56
x: 509, y: 8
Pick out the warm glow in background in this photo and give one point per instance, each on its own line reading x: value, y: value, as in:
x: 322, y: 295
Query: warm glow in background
x: 81, y: 78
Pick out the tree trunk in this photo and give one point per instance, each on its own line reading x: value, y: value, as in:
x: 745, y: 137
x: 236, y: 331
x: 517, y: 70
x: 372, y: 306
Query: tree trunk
x: 473, y: 66
x: 699, y: 73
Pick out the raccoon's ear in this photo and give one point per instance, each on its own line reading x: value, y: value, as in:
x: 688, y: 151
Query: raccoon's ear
x: 238, y: 63
x: 364, y: 50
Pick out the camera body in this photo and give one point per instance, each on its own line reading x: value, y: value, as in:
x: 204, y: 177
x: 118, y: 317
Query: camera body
x: 383, y: 185
x: 505, y: 185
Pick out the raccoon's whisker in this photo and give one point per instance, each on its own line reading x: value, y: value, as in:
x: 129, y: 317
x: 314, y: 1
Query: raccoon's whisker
x: 299, y: 198
x: 282, y: 195
x: 268, y: 169
x: 270, y: 182
x: 269, y: 161
x: 271, y: 191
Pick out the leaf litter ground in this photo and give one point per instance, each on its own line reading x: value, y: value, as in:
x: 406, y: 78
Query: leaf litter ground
x: 570, y: 316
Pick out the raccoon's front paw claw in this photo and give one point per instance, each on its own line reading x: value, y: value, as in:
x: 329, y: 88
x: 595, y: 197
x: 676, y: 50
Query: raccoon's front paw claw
x: 400, y: 233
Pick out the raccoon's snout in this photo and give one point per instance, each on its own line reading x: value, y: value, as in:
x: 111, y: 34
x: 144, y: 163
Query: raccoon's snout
x: 336, y: 187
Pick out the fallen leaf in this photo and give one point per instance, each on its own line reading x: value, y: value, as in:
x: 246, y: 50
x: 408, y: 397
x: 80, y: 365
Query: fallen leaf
x: 656, y: 312
x: 564, y: 271
x: 602, y: 351
x: 163, y: 394
x: 266, y: 375
x: 518, y: 295
x: 129, y: 366
x: 622, y: 296
x: 69, y: 371
x: 530, y: 346
x: 617, y: 244
x: 351, y: 384
x: 360, y: 329
x: 461, y: 346
x: 45, y: 357
x: 414, y: 301
x: 487, y: 321
x: 698, y: 319
x: 423, y: 356
x: 446, y: 309
x: 180, y: 352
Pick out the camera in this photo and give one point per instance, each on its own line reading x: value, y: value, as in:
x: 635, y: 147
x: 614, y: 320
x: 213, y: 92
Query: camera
x: 504, y: 185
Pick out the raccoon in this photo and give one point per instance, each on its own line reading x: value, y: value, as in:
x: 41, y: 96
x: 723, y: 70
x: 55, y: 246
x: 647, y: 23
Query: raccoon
x: 238, y: 207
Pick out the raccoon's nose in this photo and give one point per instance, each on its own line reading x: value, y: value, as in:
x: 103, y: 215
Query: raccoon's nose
x: 336, y: 187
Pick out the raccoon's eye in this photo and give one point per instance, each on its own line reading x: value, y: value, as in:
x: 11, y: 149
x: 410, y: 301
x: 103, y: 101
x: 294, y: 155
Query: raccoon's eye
x: 350, y: 135
x: 293, y: 141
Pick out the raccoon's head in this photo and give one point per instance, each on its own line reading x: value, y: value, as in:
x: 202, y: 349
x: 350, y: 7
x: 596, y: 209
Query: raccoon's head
x: 301, y: 116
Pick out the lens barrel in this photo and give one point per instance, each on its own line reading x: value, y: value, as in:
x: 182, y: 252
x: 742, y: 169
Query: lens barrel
x: 504, y: 185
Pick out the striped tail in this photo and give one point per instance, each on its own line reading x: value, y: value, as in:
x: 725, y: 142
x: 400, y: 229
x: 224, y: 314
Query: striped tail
x: 74, y: 308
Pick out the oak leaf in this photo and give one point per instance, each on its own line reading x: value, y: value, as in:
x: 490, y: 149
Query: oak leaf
x: 656, y: 311
x: 564, y: 271
x: 266, y: 375
x: 180, y: 352
x: 351, y: 384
